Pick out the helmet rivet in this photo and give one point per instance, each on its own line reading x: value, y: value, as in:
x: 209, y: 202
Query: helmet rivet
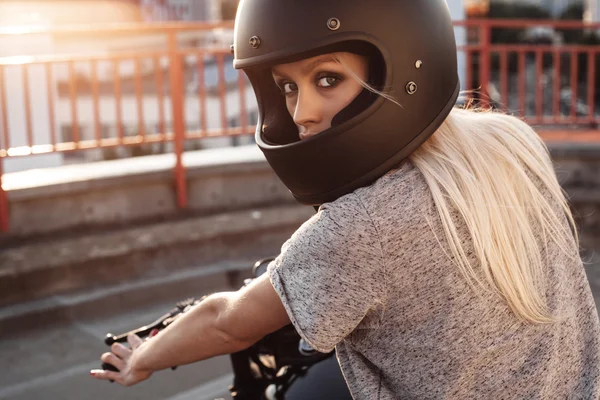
x: 255, y: 42
x: 418, y: 64
x: 411, y: 87
x: 333, y: 24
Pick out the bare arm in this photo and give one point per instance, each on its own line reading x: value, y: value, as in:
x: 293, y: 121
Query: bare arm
x: 223, y: 323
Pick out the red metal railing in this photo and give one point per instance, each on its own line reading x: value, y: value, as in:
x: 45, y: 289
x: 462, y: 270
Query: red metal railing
x: 499, y: 73
x: 539, y: 63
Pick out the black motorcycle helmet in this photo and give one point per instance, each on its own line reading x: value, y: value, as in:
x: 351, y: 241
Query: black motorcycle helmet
x: 412, y: 56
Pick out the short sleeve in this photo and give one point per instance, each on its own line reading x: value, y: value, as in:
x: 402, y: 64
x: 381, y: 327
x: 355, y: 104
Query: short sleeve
x: 330, y: 273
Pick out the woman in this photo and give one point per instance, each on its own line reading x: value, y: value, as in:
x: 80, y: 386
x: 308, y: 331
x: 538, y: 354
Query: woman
x: 443, y: 260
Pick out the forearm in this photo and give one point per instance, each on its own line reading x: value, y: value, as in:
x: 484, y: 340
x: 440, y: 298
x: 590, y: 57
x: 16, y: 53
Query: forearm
x: 194, y: 336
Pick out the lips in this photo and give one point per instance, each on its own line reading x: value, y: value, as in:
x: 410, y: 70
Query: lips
x: 305, y: 135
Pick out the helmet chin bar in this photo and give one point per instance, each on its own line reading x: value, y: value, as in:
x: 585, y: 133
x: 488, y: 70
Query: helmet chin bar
x: 275, y: 125
x: 360, y: 103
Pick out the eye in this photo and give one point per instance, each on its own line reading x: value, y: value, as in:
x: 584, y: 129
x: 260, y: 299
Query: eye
x: 328, y: 81
x: 288, y: 88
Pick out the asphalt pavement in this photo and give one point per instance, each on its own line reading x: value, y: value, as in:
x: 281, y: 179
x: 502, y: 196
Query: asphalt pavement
x: 53, y: 363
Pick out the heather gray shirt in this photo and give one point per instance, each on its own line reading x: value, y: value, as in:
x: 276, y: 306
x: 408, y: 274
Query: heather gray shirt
x: 367, y: 276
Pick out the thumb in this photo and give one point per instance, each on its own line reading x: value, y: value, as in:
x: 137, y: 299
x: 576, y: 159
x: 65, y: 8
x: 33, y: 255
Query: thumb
x: 134, y: 341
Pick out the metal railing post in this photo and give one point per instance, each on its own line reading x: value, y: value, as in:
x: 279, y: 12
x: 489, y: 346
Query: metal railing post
x: 484, y: 65
x: 3, y: 201
x: 177, y: 102
x: 4, y: 226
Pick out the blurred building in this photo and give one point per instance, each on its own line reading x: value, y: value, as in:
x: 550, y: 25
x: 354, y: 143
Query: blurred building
x: 480, y: 8
x: 592, y: 10
x: 59, y: 12
x: 556, y: 7
x: 476, y: 8
x: 180, y: 10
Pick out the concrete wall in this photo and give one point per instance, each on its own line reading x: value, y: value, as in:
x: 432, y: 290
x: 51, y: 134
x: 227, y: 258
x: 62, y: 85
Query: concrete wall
x: 138, y: 189
x: 121, y: 192
x: 77, y: 228
x: 578, y: 170
x: 93, y: 228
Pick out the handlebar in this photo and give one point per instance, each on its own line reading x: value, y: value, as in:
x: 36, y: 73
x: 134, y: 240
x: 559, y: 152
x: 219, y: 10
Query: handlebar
x: 144, y: 331
x: 160, y: 323
x: 290, y: 355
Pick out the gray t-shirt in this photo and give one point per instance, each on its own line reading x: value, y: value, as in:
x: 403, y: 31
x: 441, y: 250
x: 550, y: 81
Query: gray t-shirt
x: 367, y: 276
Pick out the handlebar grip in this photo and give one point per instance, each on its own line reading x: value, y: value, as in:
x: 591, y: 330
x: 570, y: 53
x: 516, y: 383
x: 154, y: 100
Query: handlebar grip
x: 109, y: 367
x: 110, y: 339
x: 146, y: 330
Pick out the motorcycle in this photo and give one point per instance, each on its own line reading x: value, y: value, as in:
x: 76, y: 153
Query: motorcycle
x: 280, y: 366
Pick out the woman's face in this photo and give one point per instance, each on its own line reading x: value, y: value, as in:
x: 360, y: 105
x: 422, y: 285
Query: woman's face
x: 317, y: 89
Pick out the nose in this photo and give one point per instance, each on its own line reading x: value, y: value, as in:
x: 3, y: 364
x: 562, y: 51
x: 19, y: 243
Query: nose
x: 308, y: 111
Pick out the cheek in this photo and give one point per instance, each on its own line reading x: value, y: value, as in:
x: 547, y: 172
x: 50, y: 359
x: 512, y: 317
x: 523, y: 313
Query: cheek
x: 342, y: 98
x: 291, y: 107
x: 353, y: 91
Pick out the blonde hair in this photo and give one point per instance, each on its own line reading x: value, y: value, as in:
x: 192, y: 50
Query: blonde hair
x: 497, y: 173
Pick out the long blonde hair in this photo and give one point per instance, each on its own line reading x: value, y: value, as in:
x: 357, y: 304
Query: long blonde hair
x: 497, y: 173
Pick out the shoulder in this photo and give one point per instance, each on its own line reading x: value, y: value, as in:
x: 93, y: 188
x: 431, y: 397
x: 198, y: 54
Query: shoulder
x: 403, y: 177
x: 402, y: 186
x: 392, y: 196
x: 346, y: 208
x: 337, y: 222
x: 339, y: 230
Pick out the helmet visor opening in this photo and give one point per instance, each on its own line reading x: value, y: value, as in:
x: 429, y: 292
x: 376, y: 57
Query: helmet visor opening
x: 275, y: 124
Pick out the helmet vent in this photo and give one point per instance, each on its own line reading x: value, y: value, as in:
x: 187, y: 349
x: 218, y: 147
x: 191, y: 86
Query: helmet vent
x: 255, y: 42
x: 333, y: 24
x: 411, y: 87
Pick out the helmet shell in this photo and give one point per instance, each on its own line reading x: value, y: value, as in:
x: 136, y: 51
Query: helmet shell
x: 415, y: 42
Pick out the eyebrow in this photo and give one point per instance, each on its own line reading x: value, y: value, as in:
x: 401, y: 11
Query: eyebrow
x: 310, y: 67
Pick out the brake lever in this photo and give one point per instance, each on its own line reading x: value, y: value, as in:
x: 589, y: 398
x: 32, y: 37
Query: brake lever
x: 161, y: 323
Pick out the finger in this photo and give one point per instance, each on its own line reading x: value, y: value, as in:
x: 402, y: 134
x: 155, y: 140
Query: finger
x: 105, y: 375
x: 113, y: 360
x: 153, y: 333
x: 121, y: 351
x: 134, y: 341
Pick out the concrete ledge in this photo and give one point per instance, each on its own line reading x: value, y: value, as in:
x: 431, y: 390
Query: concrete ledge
x: 38, y: 270
x: 34, y: 257
x: 124, y: 297
x: 138, y: 189
x: 237, y: 209
x: 141, y: 189
x: 577, y: 167
x: 80, y: 177
x: 575, y: 150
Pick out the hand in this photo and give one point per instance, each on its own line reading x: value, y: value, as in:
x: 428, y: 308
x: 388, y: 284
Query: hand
x: 123, y: 359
